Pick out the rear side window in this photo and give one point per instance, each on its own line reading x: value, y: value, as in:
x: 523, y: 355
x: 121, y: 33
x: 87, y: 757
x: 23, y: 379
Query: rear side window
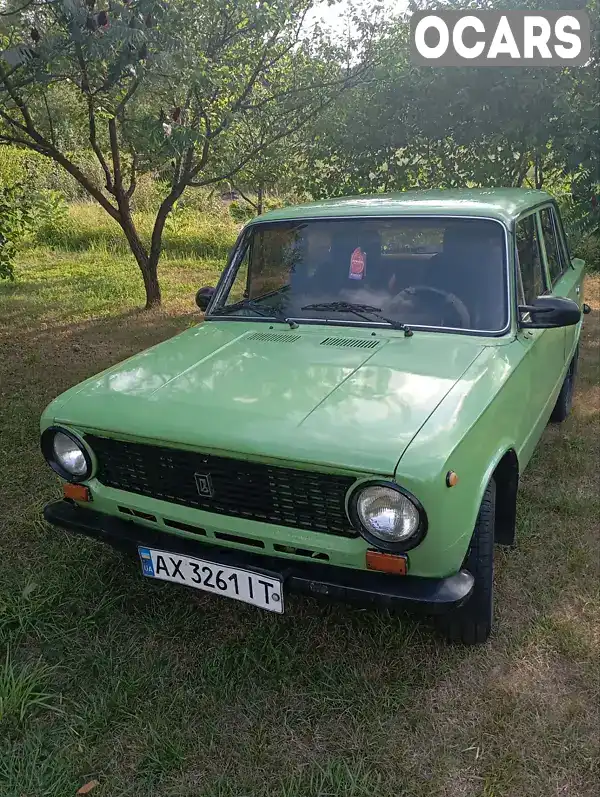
x: 532, y: 280
x: 554, y: 254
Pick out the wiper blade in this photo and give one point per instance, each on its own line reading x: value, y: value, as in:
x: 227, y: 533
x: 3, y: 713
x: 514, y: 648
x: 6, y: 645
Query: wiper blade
x: 365, y: 311
x: 272, y: 312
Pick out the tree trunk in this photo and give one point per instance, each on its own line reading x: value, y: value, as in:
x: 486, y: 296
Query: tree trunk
x: 153, y: 294
x: 150, y: 269
x: 538, y: 171
x: 148, y: 264
x: 260, y: 199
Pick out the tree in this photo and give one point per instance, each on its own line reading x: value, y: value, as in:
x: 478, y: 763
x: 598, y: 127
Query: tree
x: 167, y: 85
x: 275, y: 167
x: 422, y: 126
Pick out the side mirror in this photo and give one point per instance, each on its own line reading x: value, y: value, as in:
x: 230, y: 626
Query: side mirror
x: 203, y: 297
x: 548, y: 312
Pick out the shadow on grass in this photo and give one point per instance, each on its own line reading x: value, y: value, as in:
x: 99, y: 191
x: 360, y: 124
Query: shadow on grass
x: 38, y: 361
x: 60, y: 302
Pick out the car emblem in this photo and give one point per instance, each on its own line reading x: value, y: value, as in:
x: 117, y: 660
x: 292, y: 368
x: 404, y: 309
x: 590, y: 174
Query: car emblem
x: 204, y: 485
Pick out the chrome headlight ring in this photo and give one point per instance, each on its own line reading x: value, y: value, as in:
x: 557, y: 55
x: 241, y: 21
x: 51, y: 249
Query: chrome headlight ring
x: 66, y: 454
x: 391, y: 507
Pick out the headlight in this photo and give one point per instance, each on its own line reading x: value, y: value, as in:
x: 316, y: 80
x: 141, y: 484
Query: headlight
x: 69, y: 455
x: 387, y: 514
x: 66, y: 454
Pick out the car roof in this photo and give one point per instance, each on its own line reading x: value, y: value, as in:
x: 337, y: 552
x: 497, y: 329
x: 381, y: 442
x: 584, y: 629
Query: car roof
x: 503, y: 204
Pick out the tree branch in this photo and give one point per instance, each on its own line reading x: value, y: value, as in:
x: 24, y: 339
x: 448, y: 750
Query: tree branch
x: 133, y: 87
x: 48, y: 114
x: 246, y: 198
x: 95, y: 146
x: 116, y: 159
x: 133, y: 176
x: 14, y: 11
x: 17, y: 100
x: 49, y: 151
x: 343, y: 82
x: 264, y: 145
x: 261, y: 66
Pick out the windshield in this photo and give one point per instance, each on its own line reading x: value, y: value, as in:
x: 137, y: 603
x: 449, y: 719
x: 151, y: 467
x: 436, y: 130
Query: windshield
x: 429, y: 272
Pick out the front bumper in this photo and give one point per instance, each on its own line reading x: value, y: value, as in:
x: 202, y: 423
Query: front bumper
x: 308, y: 578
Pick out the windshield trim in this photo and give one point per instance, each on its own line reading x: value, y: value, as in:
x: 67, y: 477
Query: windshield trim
x: 239, y: 251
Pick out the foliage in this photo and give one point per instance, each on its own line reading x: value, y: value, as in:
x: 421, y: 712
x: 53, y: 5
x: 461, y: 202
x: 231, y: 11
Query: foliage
x: 148, y: 108
x: 582, y: 223
x: 25, y: 208
x: 16, y: 218
x: 425, y: 127
x: 49, y: 212
x: 241, y: 211
x: 193, y: 92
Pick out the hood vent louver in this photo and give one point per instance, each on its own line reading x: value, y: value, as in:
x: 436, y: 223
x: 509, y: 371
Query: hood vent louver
x: 273, y: 337
x: 354, y: 343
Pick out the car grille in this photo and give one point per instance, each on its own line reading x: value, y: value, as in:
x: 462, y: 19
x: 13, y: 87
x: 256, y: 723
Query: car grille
x: 283, y: 496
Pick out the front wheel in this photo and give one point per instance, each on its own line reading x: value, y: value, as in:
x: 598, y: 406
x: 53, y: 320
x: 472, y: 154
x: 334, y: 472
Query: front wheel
x: 471, y: 624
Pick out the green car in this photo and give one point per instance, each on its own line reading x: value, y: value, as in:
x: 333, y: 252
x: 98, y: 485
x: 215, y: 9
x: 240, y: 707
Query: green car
x: 353, y: 416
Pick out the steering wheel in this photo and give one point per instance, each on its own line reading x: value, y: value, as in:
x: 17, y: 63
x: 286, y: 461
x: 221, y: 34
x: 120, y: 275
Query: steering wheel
x: 456, y: 304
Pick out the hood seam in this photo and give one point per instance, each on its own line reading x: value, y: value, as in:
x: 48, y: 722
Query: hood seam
x: 336, y: 387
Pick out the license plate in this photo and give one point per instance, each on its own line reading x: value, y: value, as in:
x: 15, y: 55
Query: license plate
x: 241, y: 585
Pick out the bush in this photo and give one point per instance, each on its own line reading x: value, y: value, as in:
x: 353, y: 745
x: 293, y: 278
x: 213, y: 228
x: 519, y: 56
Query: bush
x: 589, y: 250
x: 16, y: 217
x: 149, y: 193
x: 19, y: 166
x: 241, y: 211
x: 50, y: 212
x: 581, y: 217
x: 25, y: 208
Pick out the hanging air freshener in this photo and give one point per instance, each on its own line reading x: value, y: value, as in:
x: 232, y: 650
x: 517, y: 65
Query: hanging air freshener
x: 358, y: 264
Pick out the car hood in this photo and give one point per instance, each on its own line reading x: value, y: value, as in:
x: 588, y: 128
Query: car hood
x: 333, y: 397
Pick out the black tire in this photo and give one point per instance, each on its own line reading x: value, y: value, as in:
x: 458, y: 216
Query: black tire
x: 564, y: 402
x: 471, y: 624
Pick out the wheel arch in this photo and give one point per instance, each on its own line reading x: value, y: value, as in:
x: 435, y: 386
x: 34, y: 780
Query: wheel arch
x: 506, y: 477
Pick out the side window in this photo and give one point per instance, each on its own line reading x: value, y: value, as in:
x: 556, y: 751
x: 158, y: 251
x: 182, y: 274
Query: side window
x: 563, y: 244
x: 530, y: 262
x: 554, y: 254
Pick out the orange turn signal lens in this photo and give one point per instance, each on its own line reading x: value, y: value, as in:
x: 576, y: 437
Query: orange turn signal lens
x: 76, y: 492
x: 387, y: 562
x: 451, y: 479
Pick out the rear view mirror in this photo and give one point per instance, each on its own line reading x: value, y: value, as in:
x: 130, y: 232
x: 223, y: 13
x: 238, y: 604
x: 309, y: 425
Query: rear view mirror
x: 548, y: 312
x: 204, y: 296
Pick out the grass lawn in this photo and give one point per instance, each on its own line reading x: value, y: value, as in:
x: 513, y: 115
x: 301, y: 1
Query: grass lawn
x: 154, y: 690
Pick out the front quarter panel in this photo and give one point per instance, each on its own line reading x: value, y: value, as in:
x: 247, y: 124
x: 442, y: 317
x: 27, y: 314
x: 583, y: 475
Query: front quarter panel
x: 476, y: 424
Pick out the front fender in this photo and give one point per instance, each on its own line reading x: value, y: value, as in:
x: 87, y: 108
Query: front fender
x: 469, y: 434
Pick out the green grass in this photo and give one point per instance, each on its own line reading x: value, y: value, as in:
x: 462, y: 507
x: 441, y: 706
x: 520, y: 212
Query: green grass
x: 189, y: 235
x: 21, y: 689
x: 153, y: 690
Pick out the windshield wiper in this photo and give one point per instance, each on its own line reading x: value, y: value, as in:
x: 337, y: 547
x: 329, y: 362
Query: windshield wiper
x: 363, y: 310
x: 272, y: 312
